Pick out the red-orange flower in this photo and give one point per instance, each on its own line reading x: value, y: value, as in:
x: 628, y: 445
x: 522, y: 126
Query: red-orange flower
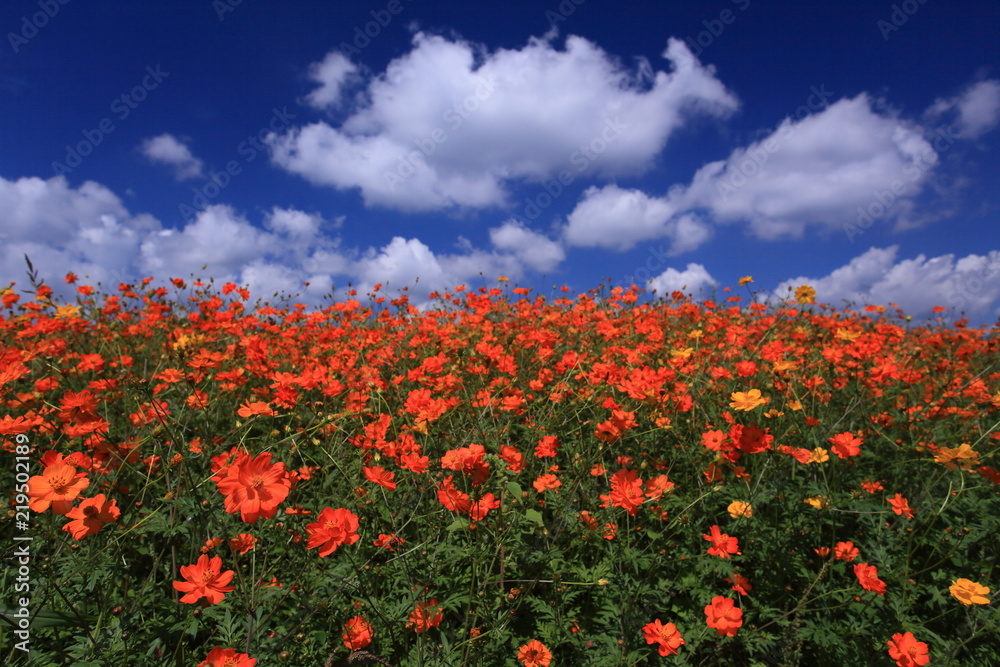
x: 724, y: 616
x: 357, y: 633
x: 907, y: 651
x: 332, y: 528
x: 422, y: 620
x: 205, y: 579
x: 253, y: 487
x: 901, y: 505
x: 740, y: 584
x: 227, y: 657
x: 626, y: 491
x: 57, y: 486
x: 846, y: 444
x: 242, y: 543
x: 534, y: 654
x: 452, y: 498
x: 868, y: 578
x: 722, y: 545
x: 666, y: 636
x: 389, y: 542
x: 379, y: 475
x: 90, y: 516
x: 845, y: 551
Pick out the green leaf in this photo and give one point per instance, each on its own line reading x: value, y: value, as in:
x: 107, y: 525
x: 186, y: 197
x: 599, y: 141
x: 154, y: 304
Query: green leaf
x: 458, y: 524
x: 534, y: 516
x: 515, y: 489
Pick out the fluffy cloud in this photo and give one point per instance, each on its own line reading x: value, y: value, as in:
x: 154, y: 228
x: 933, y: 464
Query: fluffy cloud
x: 167, y: 149
x: 332, y: 74
x: 691, y: 280
x: 89, y: 232
x: 449, y: 124
x: 970, y: 285
x: 818, y: 171
x: 976, y: 110
x: 612, y: 217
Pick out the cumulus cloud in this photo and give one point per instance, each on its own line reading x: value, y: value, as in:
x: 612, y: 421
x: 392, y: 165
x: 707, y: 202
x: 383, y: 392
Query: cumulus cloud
x: 691, y: 280
x: 332, y: 74
x: 167, y: 149
x: 450, y: 124
x: 970, y: 284
x: 616, y: 218
x: 818, y: 171
x: 976, y: 110
x: 88, y: 231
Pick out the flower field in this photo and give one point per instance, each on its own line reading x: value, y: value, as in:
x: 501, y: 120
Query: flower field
x: 502, y: 478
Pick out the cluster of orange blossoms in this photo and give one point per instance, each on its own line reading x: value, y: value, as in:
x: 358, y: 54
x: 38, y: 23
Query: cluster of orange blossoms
x: 255, y: 487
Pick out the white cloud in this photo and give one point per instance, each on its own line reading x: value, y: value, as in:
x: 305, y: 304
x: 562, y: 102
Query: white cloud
x: 88, y: 231
x: 817, y: 171
x: 449, y: 124
x: 612, y: 217
x: 167, y: 149
x: 970, y: 284
x: 333, y: 73
x: 977, y: 109
x: 691, y: 280
x: 534, y: 250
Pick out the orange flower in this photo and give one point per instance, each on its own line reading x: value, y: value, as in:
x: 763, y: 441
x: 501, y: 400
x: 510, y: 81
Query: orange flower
x: 332, y: 528
x: 253, y: 487
x: 479, y: 509
x: 389, y: 542
x: 242, y: 543
x: 907, y: 651
x: 547, y: 446
x: 953, y: 458
x: 738, y: 508
x: 724, y: 616
x: 357, y: 633
x: 846, y: 444
x: 969, y: 592
x: 545, y: 482
x: 868, y: 578
x: 870, y: 486
x: 452, y: 498
x: 845, y: 551
x: 534, y: 654
x: 249, y: 409
x: 227, y: 657
x: 90, y: 516
x: 746, y: 400
x: 57, y: 486
x: 205, y: 579
x: 421, y: 621
x: 722, y: 545
x: 381, y: 476
x: 626, y: 491
x: 666, y: 636
x: 740, y: 584
x: 901, y: 506
x: 805, y: 294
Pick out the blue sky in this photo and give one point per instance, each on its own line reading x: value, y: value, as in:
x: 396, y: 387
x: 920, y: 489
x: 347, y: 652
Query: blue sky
x: 851, y: 147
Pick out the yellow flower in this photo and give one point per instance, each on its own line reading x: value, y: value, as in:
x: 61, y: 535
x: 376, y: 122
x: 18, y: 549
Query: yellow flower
x: 794, y: 406
x: 969, y: 592
x: 819, y: 502
x: 738, y: 508
x: 805, y: 294
x: 682, y: 354
x: 503, y: 279
x: 67, y: 310
x: 780, y: 366
x: 847, y: 334
x: 744, y: 280
x: 746, y: 401
x: 819, y: 455
x: 955, y: 457
x: 773, y: 414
